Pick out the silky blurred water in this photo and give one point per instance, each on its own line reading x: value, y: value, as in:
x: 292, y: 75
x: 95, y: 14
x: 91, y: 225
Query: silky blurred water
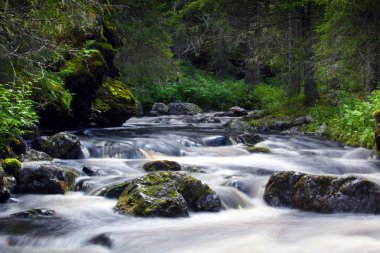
x: 246, y: 223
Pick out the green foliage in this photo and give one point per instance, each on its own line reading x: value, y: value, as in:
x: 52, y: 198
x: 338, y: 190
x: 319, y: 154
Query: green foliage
x: 16, y: 112
x: 199, y: 87
x: 269, y: 97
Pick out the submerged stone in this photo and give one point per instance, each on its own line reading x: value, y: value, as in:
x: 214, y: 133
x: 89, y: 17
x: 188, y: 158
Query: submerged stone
x: 35, y: 213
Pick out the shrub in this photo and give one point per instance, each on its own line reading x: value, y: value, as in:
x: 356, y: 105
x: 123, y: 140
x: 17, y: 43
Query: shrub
x: 16, y: 112
x: 268, y: 97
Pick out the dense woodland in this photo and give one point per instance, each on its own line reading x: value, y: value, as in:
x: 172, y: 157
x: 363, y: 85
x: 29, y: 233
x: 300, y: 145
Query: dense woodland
x: 78, y: 63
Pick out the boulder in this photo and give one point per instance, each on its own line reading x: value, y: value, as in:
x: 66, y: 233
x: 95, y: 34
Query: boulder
x: 61, y: 145
x: 4, y: 191
x: 35, y: 213
x: 180, y: 108
x: 45, y: 178
x: 323, y: 194
x: 11, y: 167
x: 159, y: 109
x: 249, y: 138
x: 238, y: 111
x: 114, y: 104
x: 237, y: 126
x: 166, y: 194
x: 309, y: 119
x: 299, y: 121
x: 162, y: 166
x: 33, y: 155
x: 32, y: 132
x: 18, y: 145
x: 256, y: 114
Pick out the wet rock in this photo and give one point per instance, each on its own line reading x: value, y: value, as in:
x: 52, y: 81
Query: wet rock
x: 194, y: 169
x: 180, y: 108
x: 217, y: 141
x: 254, y: 149
x: 18, y: 146
x: 237, y: 126
x: 33, y: 155
x: 35, y: 213
x: 4, y: 191
x: 203, y: 119
x: 323, y: 194
x: 39, y: 142
x: 162, y: 166
x: 166, y: 194
x: 11, y: 183
x: 11, y: 166
x: 61, y: 145
x: 84, y: 185
x: 114, y: 191
x: 101, y: 239
x: 159, y: 109
x: 238, y: 111
x: 240, y: 185
x: 32, y: 132
x: 45, y: 178
x: 250, y: 138
x: 256, y: 114
x: 89, y: 171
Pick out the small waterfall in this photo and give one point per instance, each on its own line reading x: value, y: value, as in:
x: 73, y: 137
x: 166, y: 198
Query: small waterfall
x: 147, y: 154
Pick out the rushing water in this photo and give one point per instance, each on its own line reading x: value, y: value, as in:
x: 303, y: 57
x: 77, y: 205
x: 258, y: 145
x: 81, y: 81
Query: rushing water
x: 246, y: 223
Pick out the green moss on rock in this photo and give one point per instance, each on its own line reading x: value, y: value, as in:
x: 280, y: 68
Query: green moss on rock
x: 115, y: 102
x: 254, y: 149
x: 12, y: 167
x: 162, y: 166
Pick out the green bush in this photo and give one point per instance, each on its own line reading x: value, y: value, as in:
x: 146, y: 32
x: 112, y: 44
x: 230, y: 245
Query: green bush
x: 269, y: 98
x: 199, y: 87
x: 16, y: 112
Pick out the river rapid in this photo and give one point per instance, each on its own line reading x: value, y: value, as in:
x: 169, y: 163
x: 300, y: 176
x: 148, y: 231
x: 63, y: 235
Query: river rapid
x: 209, y: 153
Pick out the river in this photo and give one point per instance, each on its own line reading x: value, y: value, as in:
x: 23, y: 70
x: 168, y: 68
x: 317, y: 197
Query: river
x: 246, y: 223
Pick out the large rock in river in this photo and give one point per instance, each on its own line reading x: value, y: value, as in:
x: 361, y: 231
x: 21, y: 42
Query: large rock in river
x: 166, y: 194
x: 45, y: 178
x: 180, y: 108
x: 4, y: 192
x: 159, y: 109
x: 323, y: 194
x: 61, y: 145
x: 164, y: 165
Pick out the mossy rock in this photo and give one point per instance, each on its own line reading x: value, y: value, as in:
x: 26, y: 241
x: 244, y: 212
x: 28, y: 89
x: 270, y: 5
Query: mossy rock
x: 162, y: 166
x: 12, y: 167
x: 376, y: 113
x: 254, y: 149
x: 45, y: 178
x: 166, y: 194
x: 82, y: 72
x: 115, y: 102
x: 322, y: 194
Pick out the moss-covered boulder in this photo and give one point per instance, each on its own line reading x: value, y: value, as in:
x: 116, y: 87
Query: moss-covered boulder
x: 45, y: 178
x: 162, y: 166
x: 323, y: 194
x: 114, y: 103
x: 166, y: 194
x: 11, y: 167
x: 4, y: 192
x: 61, y: 145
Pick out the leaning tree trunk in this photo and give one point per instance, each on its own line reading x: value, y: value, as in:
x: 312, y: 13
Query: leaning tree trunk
x: 310, y: 86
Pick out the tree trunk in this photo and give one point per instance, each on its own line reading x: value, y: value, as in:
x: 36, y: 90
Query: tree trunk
x: 376, y: 115
x: 370, y: 70
x: 252, y: 69
x: 310, y: 86
x: 293, y: 82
